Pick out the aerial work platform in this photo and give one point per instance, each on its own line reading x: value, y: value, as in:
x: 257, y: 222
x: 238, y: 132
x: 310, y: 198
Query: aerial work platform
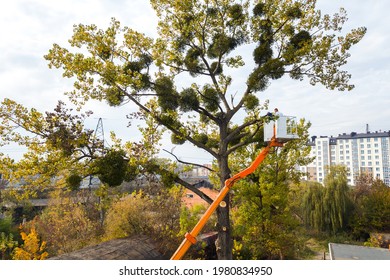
x: 283, y: 129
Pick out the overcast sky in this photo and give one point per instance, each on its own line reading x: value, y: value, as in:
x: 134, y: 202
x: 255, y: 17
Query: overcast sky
x: 28, y: 28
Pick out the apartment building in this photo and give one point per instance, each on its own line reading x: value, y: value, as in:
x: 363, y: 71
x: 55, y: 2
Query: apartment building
x: 359, y: 152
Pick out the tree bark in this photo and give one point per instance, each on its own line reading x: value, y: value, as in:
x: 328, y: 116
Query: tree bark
x: 224, y: 240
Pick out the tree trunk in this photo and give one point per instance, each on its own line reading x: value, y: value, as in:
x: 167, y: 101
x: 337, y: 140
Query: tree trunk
x: 224, y: 241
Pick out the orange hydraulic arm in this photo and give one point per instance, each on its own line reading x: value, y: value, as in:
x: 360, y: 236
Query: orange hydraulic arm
x: 190, y: 238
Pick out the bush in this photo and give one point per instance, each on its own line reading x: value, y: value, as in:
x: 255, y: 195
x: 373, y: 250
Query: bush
x: 159, y: 217
x: 66, y: 227
x: 7, y: 244
x: 128, y: 216
x: 33, y: 247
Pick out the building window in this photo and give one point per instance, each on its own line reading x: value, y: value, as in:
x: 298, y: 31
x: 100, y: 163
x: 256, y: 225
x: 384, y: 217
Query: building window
x: 362, y: 158
x: 369, y: 157
x: 369, y: 163
x: 369, y: 152
x: 376, y: 151
x: 377, y: 162
x: 368, y: 145
x: 362, y: 151
x: 376, y: 145
x: 363, y: 163
x: 362, y: 146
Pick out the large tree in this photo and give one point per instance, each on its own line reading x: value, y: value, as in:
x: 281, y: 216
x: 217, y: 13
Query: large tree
x: 188, y: 68
x: 371, y: 199
x: 328, y: 208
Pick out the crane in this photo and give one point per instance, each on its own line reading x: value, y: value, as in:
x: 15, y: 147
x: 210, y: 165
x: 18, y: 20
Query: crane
x: 276, y: 133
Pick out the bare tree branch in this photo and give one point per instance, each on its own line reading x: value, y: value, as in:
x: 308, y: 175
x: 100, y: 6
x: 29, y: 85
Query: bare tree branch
x: 189, y: 163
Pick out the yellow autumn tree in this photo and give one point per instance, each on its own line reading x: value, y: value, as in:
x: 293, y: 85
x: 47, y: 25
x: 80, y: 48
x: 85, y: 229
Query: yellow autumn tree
x: 32, y: 249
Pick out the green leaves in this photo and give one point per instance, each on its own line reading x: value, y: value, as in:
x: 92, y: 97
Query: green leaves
x: 167, y: 96
x: 73, y: 181
x: 210, y: 98
x: 235, y: 12
x: 177, y: 139
x: 188, y: 100
x: 294, y: 12
x: 263, y: 216
x: 114, y: 96
x: 251, y: 102
x: 262, y: 53
x: 221, y: 45
x: 192, y: 62
x: 216, y: 68
x: 257, y: 80
x: 258, y: 9
x: 112, y: 169
x: 371, y: 206
x: 328, y: 208
x: 300, y: 39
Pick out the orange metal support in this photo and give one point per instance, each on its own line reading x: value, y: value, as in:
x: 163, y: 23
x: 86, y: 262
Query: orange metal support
x: 190, y: 238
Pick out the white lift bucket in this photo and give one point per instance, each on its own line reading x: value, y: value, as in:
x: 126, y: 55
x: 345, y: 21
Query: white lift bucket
x: 285, y: 129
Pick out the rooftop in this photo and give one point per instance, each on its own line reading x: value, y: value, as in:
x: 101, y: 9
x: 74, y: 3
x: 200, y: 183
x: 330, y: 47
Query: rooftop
x: 368, y: 134
x: 132, y: 248
x: 352, y: 135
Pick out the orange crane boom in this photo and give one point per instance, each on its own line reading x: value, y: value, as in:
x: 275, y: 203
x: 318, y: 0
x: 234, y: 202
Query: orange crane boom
x: 190, y: 238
